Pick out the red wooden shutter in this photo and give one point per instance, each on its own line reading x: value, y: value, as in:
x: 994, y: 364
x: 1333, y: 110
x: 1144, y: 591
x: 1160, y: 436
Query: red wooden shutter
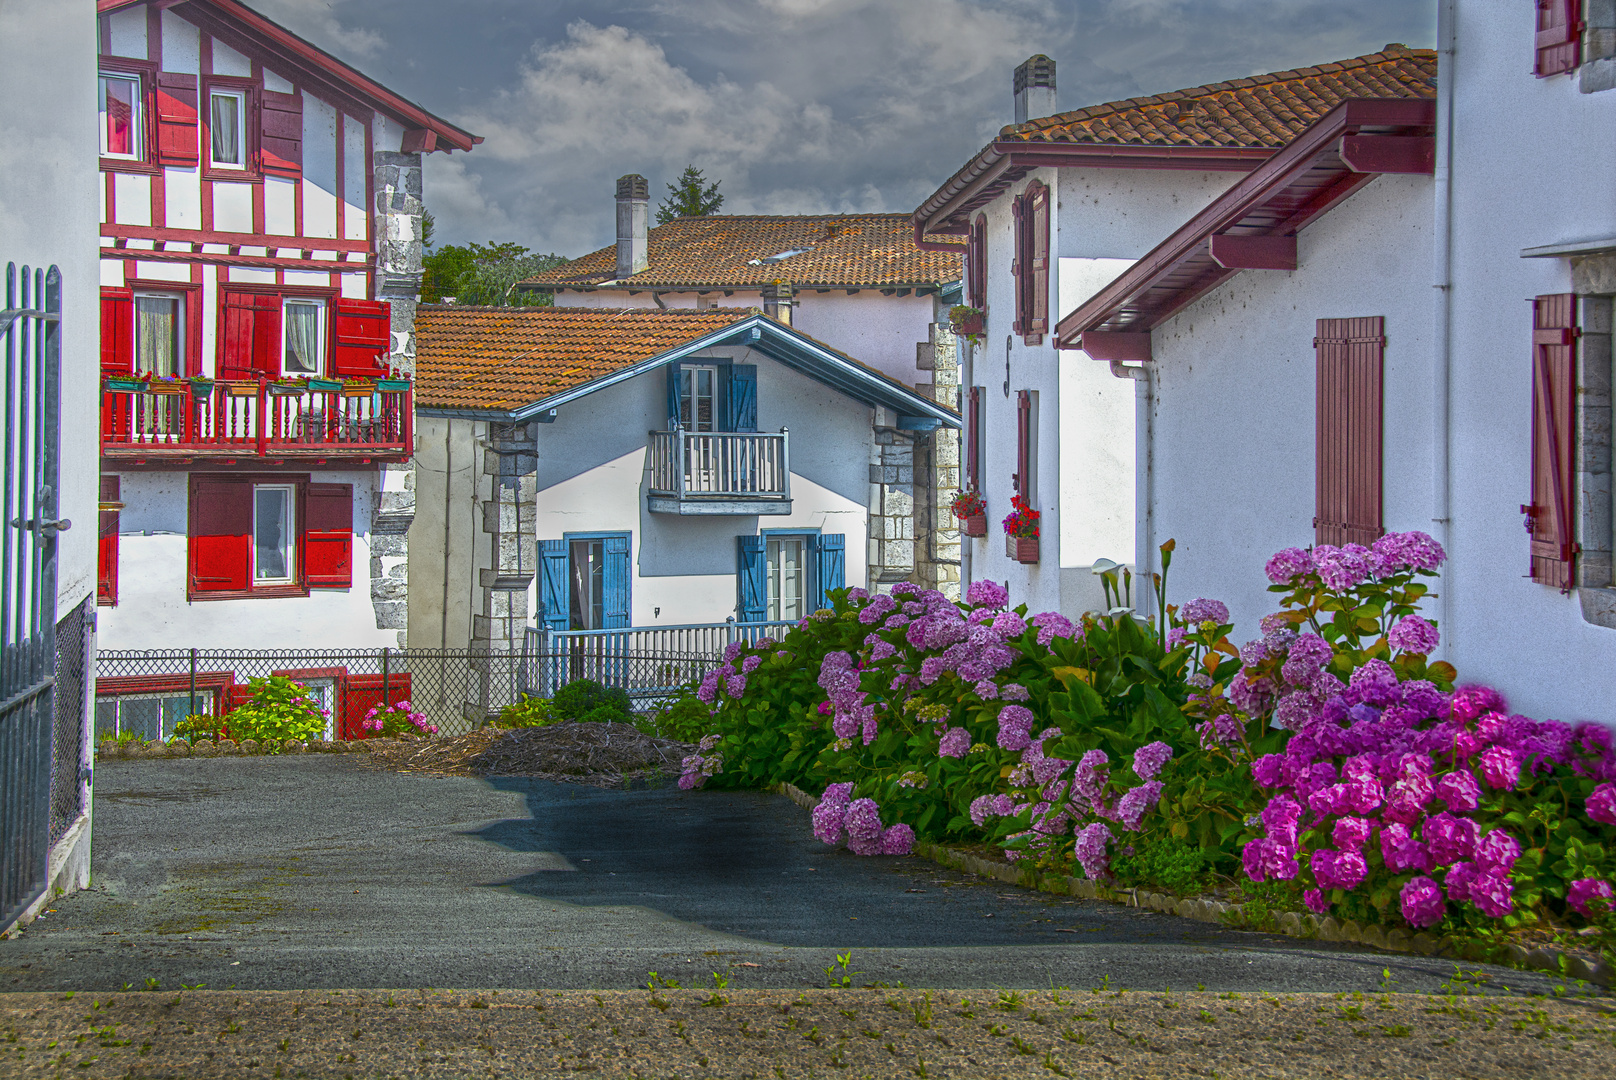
x: 251, y: 343
x: 220, y: 535
x: 1037, y: 319
x: 1554, y: 396
x: 280, y: 134
x: 1018, y: 216
x: 176, y: 119
x: 361, y: 337
x: 117, y: 331
x: 1559, y: 37
x: 1348, y: 460
x: 106, y: 556
x: 976, y: 264
x: 973, y: 438
x: 1023, y: 444
x: 328, y: 536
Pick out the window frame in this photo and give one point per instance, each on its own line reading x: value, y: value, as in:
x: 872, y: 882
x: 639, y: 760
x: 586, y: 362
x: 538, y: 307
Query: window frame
x: 810, y: 572
x: 181, y: 298
x: 291, y: 544
x: 322, y: 332
x: 297, y: 585
x: 326, y: 295
x: 239, y: 96
x: 248, y: 90
x: 144, y: 74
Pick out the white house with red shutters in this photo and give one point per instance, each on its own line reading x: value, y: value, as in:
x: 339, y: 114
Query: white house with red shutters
x: 260, y: 265
x: 1054, y: 208
x: 1402, y: 320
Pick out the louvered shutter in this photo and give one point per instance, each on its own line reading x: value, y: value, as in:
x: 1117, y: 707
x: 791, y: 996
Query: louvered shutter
x: 220, y: 535
x: 176, y: 119
x: 1019, y: 281
x: 252, y: 336
x: 555, y: 609
x: 1349, y: 360
x: 743, y: 397
x: 361, y: 337
x: 616, y: 577
x: 117, y: 331
x: 106, y: 560
x: 328, y: 536
x: 1554, y: 395
x: 280, y: 134
x: 976, y: 264
x: 1023, y: 477
x: 973, y: 438
x: 1559, y: 37
x: 1037, y: 320
x: 751, y: 569
x: 830, y: 570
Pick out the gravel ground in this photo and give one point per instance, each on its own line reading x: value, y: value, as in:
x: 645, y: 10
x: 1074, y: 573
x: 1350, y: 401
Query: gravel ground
x: 813, y: 1033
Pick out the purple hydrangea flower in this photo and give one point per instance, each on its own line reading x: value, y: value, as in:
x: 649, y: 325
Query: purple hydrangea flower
x: 1254, y: 697
x: 1421, y: 902
x: 863, y: 824
x: 733, y: 649
x: 897, y: 839
x: 988, y: 594
x: 1090, y: 850
x: 837, y: 793
x: 750, y: 664
x: 1601, y: 804
x: 1315, y: 901
x: 1342, y: 569
x: 1492, y: 892
x: 1009, y: 625
x: 1051, y: 625
x: 1149, y: 759
x: 1351, y: 833
x: 1200, y: 611
x: 1500, y: 767
x: 1449, y: 838
x: 1590, y: 896
x: 1013, y: 692
x: 1175, y: 637
x: 1400, y: 851
x: 1268, y: 770
x: 1414, y: 635
x: 1407, y: 551
x: 1286, y: 565
x: 956, y: 742
x: 1136, y: 802
x: 829, y: 818
x: 1338, y: 869
x: 1497, y: 852
x: 1459, y: 790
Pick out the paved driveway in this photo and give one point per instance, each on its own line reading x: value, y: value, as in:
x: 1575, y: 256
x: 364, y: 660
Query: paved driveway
x: 313, y: 871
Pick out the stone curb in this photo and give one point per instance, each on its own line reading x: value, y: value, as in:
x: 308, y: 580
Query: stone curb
x: 1290, y: 923
x: 107, y: 750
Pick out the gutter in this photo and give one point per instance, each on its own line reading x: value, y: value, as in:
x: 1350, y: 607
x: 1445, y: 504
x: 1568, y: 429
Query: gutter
x: 1442, y: 370
x: 1144, y: 481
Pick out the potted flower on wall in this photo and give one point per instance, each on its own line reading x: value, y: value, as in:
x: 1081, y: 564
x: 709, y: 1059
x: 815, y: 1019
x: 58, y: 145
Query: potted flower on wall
x: 972, y: 512
x: 1021, y: 532
x: 968, y: 322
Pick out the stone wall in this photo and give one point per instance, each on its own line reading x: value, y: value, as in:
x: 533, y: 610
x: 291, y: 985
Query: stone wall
x: 510, y: 462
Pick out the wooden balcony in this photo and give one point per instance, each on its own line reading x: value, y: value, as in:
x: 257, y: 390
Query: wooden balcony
x: 255, y: 420
x: 720, y: 472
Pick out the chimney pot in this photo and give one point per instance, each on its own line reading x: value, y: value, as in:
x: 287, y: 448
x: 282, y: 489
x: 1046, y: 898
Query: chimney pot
x: 1035, y: 89
x: 633, y: 243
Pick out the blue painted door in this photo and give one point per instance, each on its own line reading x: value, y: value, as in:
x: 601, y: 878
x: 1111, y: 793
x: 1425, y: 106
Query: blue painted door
x: 750, y: 571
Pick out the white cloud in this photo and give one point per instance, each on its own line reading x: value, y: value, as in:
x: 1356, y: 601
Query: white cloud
x: 318, y: 21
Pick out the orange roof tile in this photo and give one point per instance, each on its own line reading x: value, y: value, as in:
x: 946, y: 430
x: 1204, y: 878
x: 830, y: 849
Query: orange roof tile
x: 727, y: 251
x: 502, y: 358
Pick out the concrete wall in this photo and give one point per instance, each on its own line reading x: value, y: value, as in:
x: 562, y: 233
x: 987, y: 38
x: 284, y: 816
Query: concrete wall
x: 153, y: 612
x: 444, y: 554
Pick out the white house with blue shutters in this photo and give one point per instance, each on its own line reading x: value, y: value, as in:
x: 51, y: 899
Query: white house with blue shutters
x: 597, y: 469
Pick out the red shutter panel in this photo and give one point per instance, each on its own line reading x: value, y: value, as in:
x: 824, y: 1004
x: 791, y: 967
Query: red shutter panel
x: 280, y: 134
x: 976, y: 264
x: 1348, y: 459
x: 1554, y: 393
x: 328, y: 537
x: 220, y: 535
x: 1023, y: 444
x: 106, y: 556
x: 117, y: 331
x: 1017, y: 268
x: 1559, y: 37
x: 1037, y: 320
x: 251, y: 343
x: 176, y: 119
x: 973, y: 438
x: 361, y: 337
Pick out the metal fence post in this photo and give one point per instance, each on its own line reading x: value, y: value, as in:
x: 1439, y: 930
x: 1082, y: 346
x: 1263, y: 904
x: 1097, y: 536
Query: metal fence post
x: 193, y: 686
x: 386, y: 702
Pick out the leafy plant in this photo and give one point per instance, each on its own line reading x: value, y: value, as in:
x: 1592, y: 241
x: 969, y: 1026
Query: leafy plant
x: 396, y: 721
x: 279, y: 709
x: 527, y: 712
x: 967, y: 504
x: 203, y: 726
x: 685, y: 719
x: 587, y: 701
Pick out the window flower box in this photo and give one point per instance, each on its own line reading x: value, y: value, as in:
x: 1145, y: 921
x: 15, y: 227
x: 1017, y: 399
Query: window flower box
x: 243, y: 389
x: 125, y: 386
x: 1023, y: 549
x: 1021, y: 529
x: 164, y: 386
x: 392, y: 386
x: 356, y: 389
x: 202, y: 388
x: 288, y: 389
x: 974, y: 525
x: 971, y: 511
x: 325, y: 386
x: 968, y: 322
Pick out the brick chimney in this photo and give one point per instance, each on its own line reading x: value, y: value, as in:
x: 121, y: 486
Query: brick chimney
x: 633, y: 206
x: 1035, y: 89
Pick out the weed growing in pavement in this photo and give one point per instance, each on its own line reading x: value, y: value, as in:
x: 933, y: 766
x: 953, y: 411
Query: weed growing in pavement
x: 840, y: 974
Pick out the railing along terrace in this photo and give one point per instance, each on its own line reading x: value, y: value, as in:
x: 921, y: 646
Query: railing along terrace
x: 729, y: 464
x: 646, y: 661
x: 257, y: 417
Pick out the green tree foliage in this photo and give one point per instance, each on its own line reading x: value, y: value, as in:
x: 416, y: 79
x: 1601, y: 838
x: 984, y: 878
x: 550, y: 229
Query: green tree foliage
x: 692, y: 196
x: 482, y: 274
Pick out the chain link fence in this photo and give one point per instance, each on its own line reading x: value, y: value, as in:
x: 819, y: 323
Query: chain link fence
x: 68, y: 757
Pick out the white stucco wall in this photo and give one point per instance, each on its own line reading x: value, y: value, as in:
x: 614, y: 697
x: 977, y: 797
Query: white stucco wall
x: 1533, y: 164
x: 593, y: 476
x: 153, y: 612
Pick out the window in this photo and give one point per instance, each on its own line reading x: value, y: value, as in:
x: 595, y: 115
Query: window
x: 1031, y: 211
x: 698, y: 397
x: 122, y: 116
x: 787, y: 570
x: 147, y: 716
x: 274, y: 553
x: 1347, y: 488
x: 159, y: 334
x: 268, y: 535
x: 584, y: 582
x: 303, y: 335
x: 227, y: 131
x: 1025, y: 481
x: 976, y: 264
x: 787, y: 576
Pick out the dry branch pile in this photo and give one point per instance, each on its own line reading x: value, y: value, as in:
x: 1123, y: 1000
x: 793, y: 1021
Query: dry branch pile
x: 605, y: 755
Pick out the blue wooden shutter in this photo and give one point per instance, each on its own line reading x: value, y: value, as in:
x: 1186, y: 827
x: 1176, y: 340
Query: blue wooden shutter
x: 831, y: 571
x: 743, y: 397
x: 750, y: 567
x: 673, y: 396
x: 555, y: 607
x: 614, y: 598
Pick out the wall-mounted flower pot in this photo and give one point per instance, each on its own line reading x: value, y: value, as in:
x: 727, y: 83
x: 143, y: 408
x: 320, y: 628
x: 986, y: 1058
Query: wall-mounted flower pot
x: 356, y: 390
x: 1023, y: 549
x: 166, y: 388
x: 971, y: 325
x: 125, y: 386
x: 288, y: 389
x: 974, y: 525
x: 201, y: 388
x: 325, y: 386
x: 243, y: 389
x: 392, y: 386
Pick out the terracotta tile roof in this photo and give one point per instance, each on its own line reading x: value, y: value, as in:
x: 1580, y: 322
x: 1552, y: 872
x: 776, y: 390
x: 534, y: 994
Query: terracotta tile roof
x: 501, y: 358
x: 1264, y: 110
x: 727, y: 251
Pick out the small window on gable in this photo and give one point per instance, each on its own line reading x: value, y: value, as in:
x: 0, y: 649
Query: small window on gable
x: 122, y: 116
x: 227, y: 142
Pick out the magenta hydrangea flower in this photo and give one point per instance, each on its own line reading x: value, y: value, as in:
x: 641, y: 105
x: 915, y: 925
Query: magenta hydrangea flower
x: 1315, y: 901
x: 733, y: 649
x: 987, y: 689
x: 1149, y: 759
x: 1492, y: 892
x: 956, y: 742
x: 1338, y: 869
x: 897, y: 839
x: 1590, y: 896
x: 750, y: 664
x: 1500, y: 767
x: 1202, y: 610
x: 1287, y: 565
x: 1601, y: 804
x: 1175, y: 637
x: 1450, y: 839
x: 1089, y: 778
x: 1400, y: 851
x: 837, y: 793
x: 1351, y: 833
x: 1268, y: 770
x: 1497, y: 851
x: 1413, y: 634
x: 1422, y: 903
x: 988, y: 594
x: 1407, y: 551
x: 1263, y: 859
x: 1009, y: 625
x: 1459, y: 790
x: 1342, y: 569
x: 1015, y: 727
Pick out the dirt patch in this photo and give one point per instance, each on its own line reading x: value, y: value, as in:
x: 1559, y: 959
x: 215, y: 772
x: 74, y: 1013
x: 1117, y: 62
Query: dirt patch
x: 603, y: 755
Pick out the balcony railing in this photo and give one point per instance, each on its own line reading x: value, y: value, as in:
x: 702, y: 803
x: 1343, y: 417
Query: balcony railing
x: 256, y: 419
x: 650, y: 662
x: 713, y: 472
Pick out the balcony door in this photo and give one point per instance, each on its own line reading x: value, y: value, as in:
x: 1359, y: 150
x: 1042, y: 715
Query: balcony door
x: 698, y: 414
x: 159, y: 352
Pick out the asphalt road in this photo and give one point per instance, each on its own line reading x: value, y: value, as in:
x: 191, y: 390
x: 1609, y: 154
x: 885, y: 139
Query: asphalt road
x: 316, y: 872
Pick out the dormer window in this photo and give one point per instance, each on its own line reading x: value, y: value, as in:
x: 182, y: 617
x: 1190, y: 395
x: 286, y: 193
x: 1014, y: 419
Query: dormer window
x: 228, y: 133
x: 121, y: 116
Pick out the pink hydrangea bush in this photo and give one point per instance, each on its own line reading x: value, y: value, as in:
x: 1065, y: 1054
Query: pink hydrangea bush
x: 396, y: 721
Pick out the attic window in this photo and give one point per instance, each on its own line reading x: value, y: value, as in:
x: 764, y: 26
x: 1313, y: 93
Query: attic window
x: 781, y: 257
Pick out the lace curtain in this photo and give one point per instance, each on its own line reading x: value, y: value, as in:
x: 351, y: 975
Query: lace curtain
x: 302, y: 339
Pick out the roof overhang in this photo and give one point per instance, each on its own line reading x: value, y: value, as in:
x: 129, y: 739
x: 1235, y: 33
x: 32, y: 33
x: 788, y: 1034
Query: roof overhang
x: 773, y: 339
x: 1004, y: 161
x: 1254, y: 224
x: 1571, y: 249
x: 248, y: 32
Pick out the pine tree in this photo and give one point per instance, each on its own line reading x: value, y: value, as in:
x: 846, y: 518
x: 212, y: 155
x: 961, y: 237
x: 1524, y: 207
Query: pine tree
x: 689, y: 197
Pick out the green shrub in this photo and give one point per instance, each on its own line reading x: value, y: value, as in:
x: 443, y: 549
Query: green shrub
x: 1165, y: 861
x: 279, y: 709
x: 586, y: 698
x: 686, y: 720
x: 203, y: 726
x: 528, y: 712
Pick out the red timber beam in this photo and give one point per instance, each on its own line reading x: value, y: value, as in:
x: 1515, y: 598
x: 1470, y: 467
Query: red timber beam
x: 1253, y: 252
x: 1116, y: 345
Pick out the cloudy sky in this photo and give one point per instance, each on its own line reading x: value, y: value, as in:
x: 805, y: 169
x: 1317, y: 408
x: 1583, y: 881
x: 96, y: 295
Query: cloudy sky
x: 797, y: 106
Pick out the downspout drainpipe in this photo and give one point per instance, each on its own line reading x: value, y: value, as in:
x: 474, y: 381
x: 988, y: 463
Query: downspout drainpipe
x: 1144, y: 482
x: 1442, y: 369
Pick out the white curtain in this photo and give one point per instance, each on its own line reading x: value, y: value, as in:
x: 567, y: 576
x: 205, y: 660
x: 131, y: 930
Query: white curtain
x: 157, y: 335
x: 303, y: 339
x: 226, y: 129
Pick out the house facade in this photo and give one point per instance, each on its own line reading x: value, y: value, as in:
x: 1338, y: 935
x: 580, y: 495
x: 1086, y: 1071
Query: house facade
x: 589, y: 469
x: 1052, y: 210
x: 1411, y: 355
x: 856, y: 282
x: 260, y: 246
